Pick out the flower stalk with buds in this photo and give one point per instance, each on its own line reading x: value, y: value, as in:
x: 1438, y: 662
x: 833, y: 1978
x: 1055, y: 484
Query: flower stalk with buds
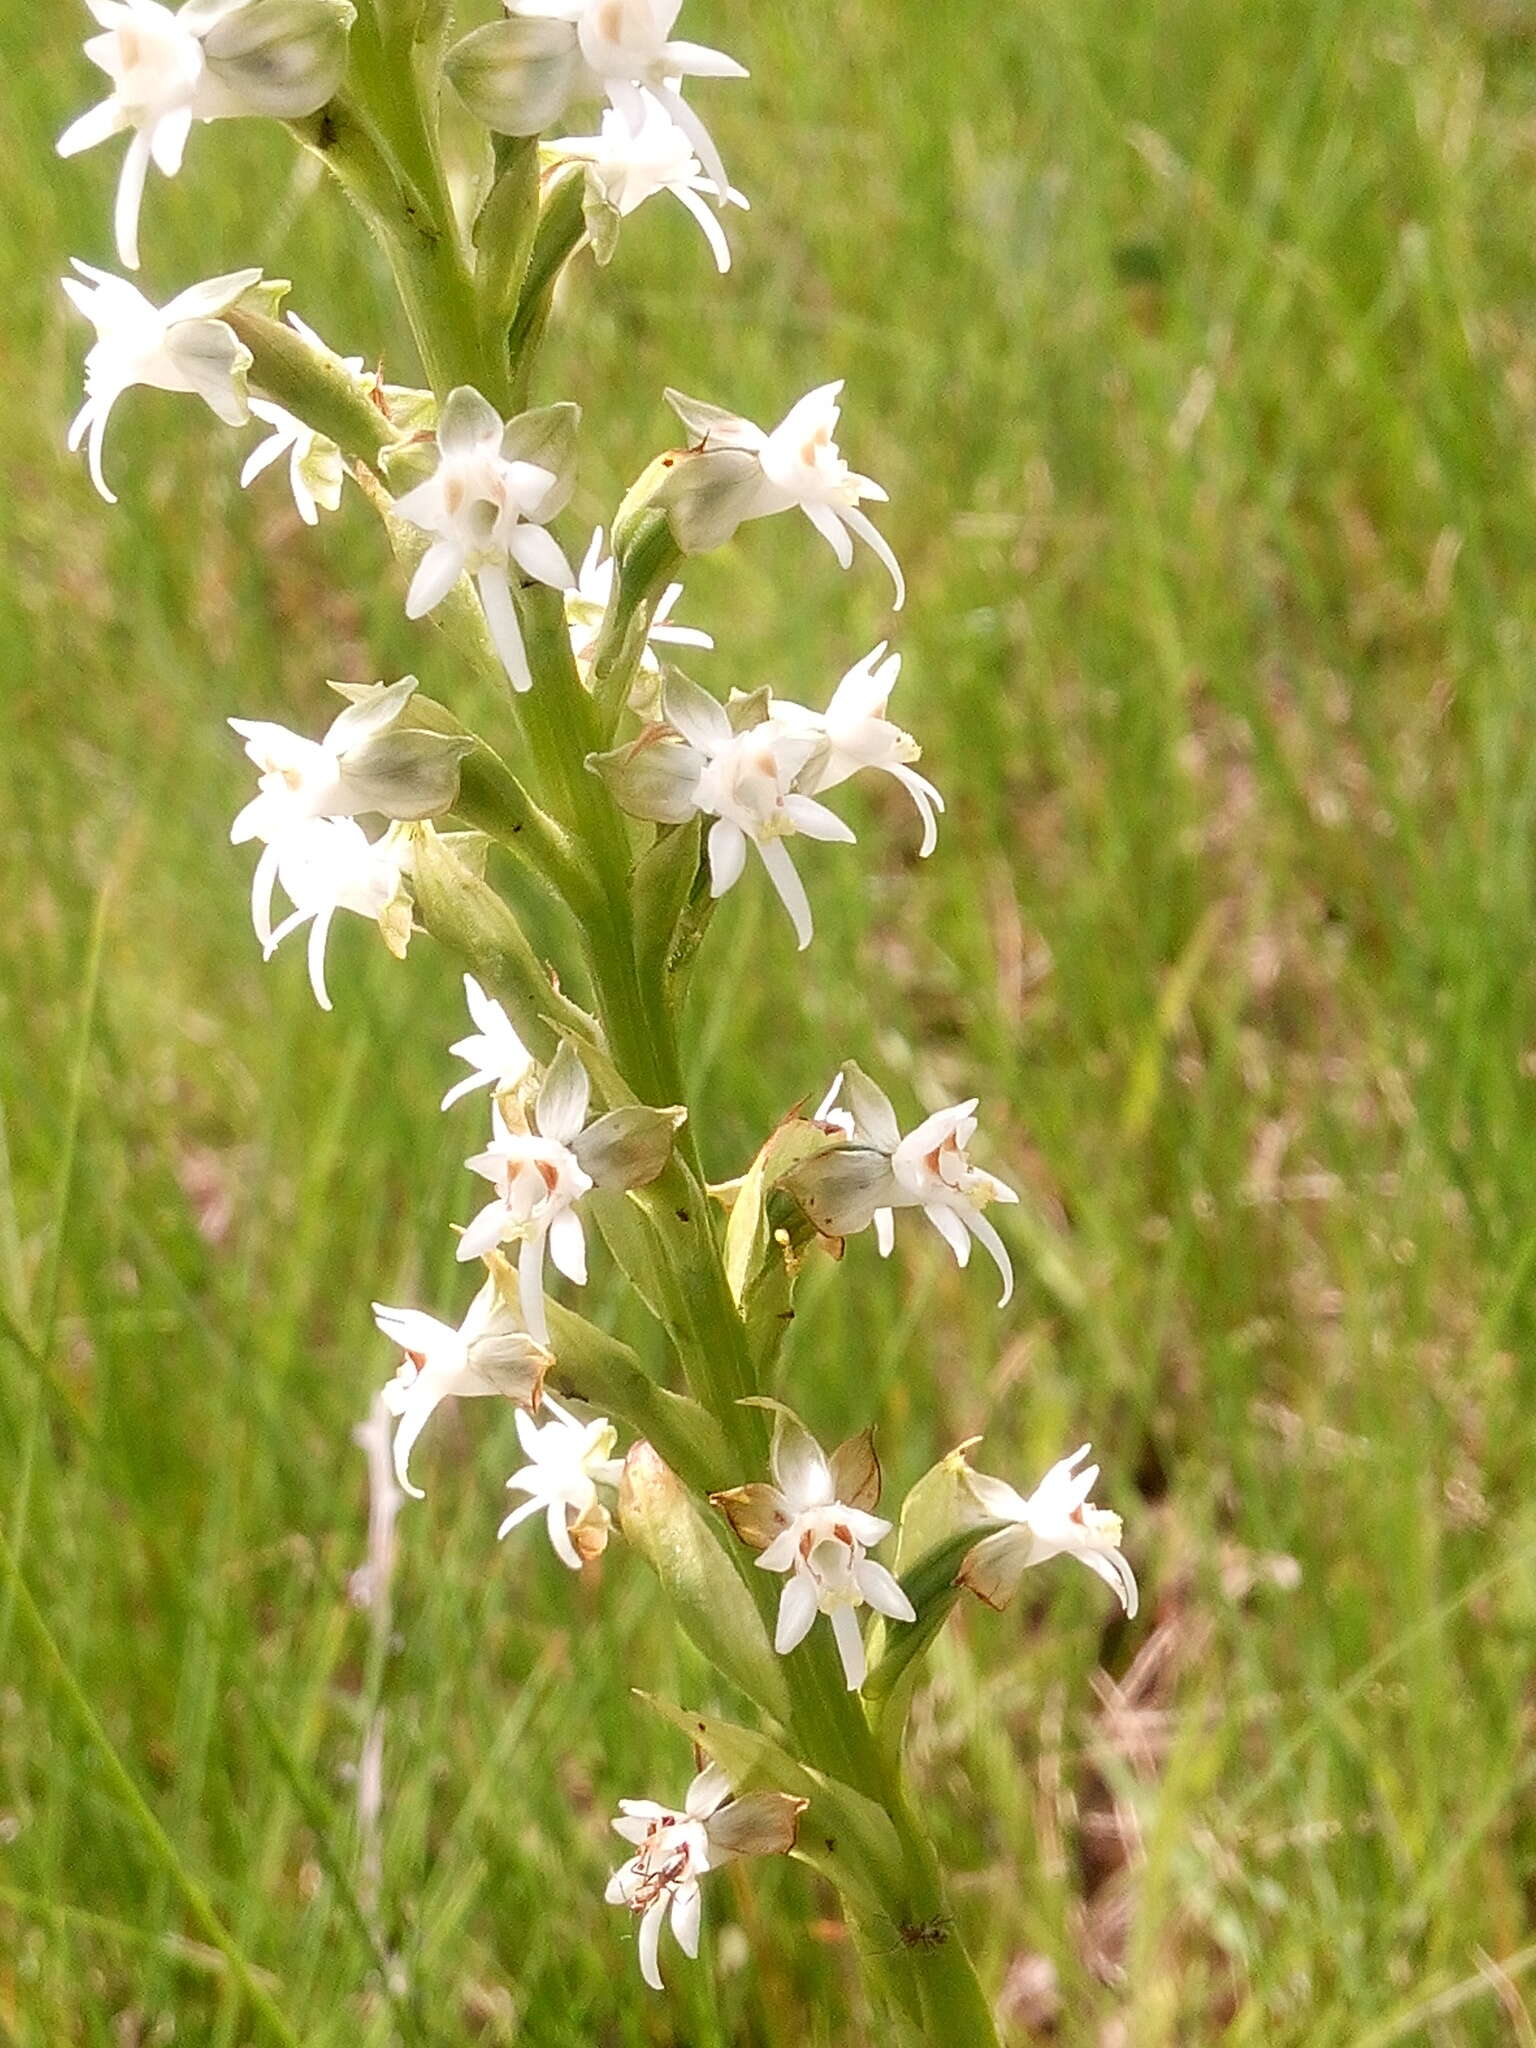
x: 628, y: 799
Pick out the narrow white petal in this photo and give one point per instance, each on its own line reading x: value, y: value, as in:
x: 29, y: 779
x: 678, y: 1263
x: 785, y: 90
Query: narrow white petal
x: 558, y: 1528
x: 262, y: 884
x: 829, y: 525
x: 951, y: 1229
x: 521, y: 1514
x: 99, y: 125
x: 130, y: 197
x: 868, y: 532
x: 650, y: 1942
x: 539, y: 555
x: 319, y: 932
x: 501, y: 617
x: 568, y: 1247
x: 850, y: 1646
x: 983, y: 1231
x: 727, y: 855
x: 789, y: 888
x: 883, y: 1591
x: 797, y: 1610
x: 687, y: 1904
x: 418, y: 1411
x: 714, y: 234
x: 436, y: 574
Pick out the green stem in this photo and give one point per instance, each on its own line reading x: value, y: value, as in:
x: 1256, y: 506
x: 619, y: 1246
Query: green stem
x: 429, y: 269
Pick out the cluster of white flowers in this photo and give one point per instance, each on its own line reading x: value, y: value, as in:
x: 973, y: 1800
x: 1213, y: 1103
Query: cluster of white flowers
x: 753, y: 769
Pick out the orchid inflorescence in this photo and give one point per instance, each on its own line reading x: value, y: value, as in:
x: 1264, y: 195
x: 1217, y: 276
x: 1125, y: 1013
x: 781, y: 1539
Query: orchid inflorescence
x: 623, y: 789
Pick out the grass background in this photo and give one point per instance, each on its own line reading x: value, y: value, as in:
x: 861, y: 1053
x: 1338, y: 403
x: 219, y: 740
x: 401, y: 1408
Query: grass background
x: 1194, y: 344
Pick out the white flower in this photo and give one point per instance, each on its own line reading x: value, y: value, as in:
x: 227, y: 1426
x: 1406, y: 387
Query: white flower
x: 160, y: 85
x: 362, y: 764
x: 489, y: 1353
x: 746, y: 782
x: 538, y: 1181
x: 674, y: 1849
x: 626, y: 46
x: 1057, y: 1520
x: 587, y: 605
x: 209, y: 59
x: 519, y: 75
x: 484, y: 504
x: 858, y: 735
x: 315, y: 466
x: 626, y: 165
x: 497, y: 1057
x: 798, y: 464
x: 182, y: 346
x: 928, y: 1169
x: 568, y: 1462
x: 814, y: 1522
x: 329, y: 865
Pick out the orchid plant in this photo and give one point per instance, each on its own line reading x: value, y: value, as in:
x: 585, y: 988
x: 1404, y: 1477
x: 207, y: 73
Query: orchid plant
x: 624, y: 789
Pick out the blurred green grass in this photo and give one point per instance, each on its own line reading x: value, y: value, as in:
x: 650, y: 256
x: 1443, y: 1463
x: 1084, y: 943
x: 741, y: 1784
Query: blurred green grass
x: 1194, y: 344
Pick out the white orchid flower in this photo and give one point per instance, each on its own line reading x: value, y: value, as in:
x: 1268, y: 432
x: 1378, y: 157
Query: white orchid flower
x: 484, y: 506
x: 1057, y: 1520
x: 858, y: 735
x: 362, y: 764
x: 626, y: 165
x: 497, y: 1057
x: 815, y: 1522
x: 747, y: 782
x: 587, y: 606
x: 328, y: 865
x: 568, y: 1461
x: 519, y: 75
x: 675, y: 1848
x: 181, y: 346
x: 168, y: 70
x: 881, y: 1171
x: 489, y: 1353
x: 315, y: 465
x: 538, y: 1181
x: 797, y: 465
x: 160, y: 85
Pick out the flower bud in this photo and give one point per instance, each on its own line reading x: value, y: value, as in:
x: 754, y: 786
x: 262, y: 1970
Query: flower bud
x: 841, y: 1189
x: 661, y: 1518
x: 281, y: 57
x: 655, y: 777
x: 707, y: 494
x: 387, y: 766
x: 628, y: 1147
x: 515, y: 75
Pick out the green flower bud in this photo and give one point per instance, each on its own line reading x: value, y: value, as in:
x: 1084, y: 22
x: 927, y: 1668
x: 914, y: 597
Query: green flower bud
x: 281, y: 57
x: 516, y: 75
